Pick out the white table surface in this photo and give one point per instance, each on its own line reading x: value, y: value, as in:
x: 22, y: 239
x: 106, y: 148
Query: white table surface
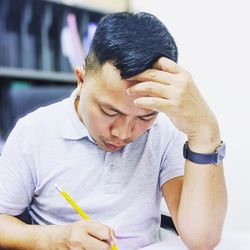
x: 230, y: 241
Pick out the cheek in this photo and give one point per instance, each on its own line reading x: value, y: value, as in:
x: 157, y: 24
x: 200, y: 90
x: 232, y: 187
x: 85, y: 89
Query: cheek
x: 97, y: 122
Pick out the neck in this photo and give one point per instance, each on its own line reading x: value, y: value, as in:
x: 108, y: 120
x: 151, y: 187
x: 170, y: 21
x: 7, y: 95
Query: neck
x: 77, y: 108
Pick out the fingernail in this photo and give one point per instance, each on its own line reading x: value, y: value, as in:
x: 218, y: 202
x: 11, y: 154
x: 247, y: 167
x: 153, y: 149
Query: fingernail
x: 113, y: 244
x: 128, y: 92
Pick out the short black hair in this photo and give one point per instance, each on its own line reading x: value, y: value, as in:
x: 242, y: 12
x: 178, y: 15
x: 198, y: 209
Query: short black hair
x: 132, y: 42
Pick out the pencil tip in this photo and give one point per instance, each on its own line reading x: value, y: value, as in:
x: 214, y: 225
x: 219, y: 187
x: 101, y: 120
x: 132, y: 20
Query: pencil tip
x: 58, y: 188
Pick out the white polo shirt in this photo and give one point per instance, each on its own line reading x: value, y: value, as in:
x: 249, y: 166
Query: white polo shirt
x: 122, y: 189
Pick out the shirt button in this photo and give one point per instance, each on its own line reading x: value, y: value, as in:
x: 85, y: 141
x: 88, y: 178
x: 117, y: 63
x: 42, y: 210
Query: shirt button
x: 111, y: 168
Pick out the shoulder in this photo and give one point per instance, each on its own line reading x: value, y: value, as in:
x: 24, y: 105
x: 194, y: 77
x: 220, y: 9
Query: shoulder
x: 39, y: 123
x: 44, y: 116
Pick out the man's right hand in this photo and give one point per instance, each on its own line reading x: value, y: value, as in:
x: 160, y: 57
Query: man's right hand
x: 87, y: 235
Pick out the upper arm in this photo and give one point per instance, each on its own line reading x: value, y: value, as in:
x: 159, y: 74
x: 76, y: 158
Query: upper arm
x: 171, y: 191
x: 16, y: 183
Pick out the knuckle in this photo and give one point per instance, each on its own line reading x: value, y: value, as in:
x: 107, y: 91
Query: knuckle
x: 183, y: 81
x: 162, y: 59
x: 149, y: 86
x: 152, y: 74
x: 187, y: 74
x: 108, y: 232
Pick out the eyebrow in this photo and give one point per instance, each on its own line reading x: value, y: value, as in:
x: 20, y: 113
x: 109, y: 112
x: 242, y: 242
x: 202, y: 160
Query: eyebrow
x: 110, y: 107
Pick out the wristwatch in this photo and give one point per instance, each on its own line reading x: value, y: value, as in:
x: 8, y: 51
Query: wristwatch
x: 214, y: 158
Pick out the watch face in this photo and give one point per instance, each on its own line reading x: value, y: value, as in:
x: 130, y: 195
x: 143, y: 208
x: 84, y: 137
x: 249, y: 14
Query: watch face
x: 221, y: 150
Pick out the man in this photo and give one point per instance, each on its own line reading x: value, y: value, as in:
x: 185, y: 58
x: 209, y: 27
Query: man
x: 116, y: 146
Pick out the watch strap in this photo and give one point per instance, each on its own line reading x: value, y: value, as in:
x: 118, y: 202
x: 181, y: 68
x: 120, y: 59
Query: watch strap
x: 199, y: 158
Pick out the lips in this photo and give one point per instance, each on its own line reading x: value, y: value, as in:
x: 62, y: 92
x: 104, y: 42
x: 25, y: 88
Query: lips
x: 112, y: 147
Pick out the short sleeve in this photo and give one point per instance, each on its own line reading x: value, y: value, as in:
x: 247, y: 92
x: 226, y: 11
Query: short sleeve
x: 172, y: 164
x: 16, y: 182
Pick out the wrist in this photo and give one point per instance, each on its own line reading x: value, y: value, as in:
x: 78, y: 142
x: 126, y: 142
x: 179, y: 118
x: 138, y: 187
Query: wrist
x: 48, y: 237
x: 206, y: 139
x: 214, y: 157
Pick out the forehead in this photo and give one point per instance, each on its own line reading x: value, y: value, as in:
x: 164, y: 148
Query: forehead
x: 109, y: 79
x: 108, y: 83
x: 109, y: 88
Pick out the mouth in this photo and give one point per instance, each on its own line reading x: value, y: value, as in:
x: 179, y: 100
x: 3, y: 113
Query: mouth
x: 113, y: 147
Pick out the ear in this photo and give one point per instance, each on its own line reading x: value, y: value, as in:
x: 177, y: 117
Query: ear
x: 80, y: 73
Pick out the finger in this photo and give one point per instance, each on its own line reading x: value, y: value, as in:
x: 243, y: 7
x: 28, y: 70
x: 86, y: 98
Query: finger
x: 154, y: 103
x: 167, y: 65
x: 154, y: 75
x: 99, y: 231
x: 95, y: 244
x: 77, y: 248
x: 114, y: 241
x: 150, y: 89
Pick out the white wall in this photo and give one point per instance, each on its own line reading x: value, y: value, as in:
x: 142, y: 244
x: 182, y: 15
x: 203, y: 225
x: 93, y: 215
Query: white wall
x: 214, y: 45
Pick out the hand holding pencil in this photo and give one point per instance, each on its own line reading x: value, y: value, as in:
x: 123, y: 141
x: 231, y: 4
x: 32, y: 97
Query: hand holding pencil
x: 98, y: 233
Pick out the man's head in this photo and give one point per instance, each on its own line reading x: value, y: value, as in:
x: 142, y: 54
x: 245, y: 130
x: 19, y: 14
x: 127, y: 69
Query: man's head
x: 124, y: 45
x: 131, y: 42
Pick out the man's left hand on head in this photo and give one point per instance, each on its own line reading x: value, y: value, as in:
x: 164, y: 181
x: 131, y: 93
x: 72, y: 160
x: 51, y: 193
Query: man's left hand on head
x: 170, y: 89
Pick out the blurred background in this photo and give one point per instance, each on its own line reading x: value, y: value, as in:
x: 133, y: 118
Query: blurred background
x: 42, y: 41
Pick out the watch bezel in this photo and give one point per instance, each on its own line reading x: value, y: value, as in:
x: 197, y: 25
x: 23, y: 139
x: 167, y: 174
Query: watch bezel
x: 220, y: 152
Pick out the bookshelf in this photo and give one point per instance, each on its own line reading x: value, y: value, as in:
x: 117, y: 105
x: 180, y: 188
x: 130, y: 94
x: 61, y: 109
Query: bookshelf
x: 32, y: 50
x: 31, y: 33
x: 9, y: 74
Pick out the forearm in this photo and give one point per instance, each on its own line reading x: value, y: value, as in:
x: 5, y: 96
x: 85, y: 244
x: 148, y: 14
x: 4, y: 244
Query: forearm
x: 203, y: 201
x: 203, y: 204
x: 16, y: 235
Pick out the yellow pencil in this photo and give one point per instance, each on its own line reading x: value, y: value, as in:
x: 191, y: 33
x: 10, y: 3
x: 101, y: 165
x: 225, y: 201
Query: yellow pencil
x: 77, y: 208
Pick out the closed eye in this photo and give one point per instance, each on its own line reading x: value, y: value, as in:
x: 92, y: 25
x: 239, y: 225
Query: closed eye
x: 147, y: 119
x: 108, y: 113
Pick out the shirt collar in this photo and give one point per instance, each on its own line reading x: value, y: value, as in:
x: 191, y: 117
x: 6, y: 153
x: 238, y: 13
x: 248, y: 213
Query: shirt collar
x: 71, y: 127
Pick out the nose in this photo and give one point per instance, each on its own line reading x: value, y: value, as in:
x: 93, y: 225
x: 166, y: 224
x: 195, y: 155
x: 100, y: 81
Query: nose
x: 122, y: 129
